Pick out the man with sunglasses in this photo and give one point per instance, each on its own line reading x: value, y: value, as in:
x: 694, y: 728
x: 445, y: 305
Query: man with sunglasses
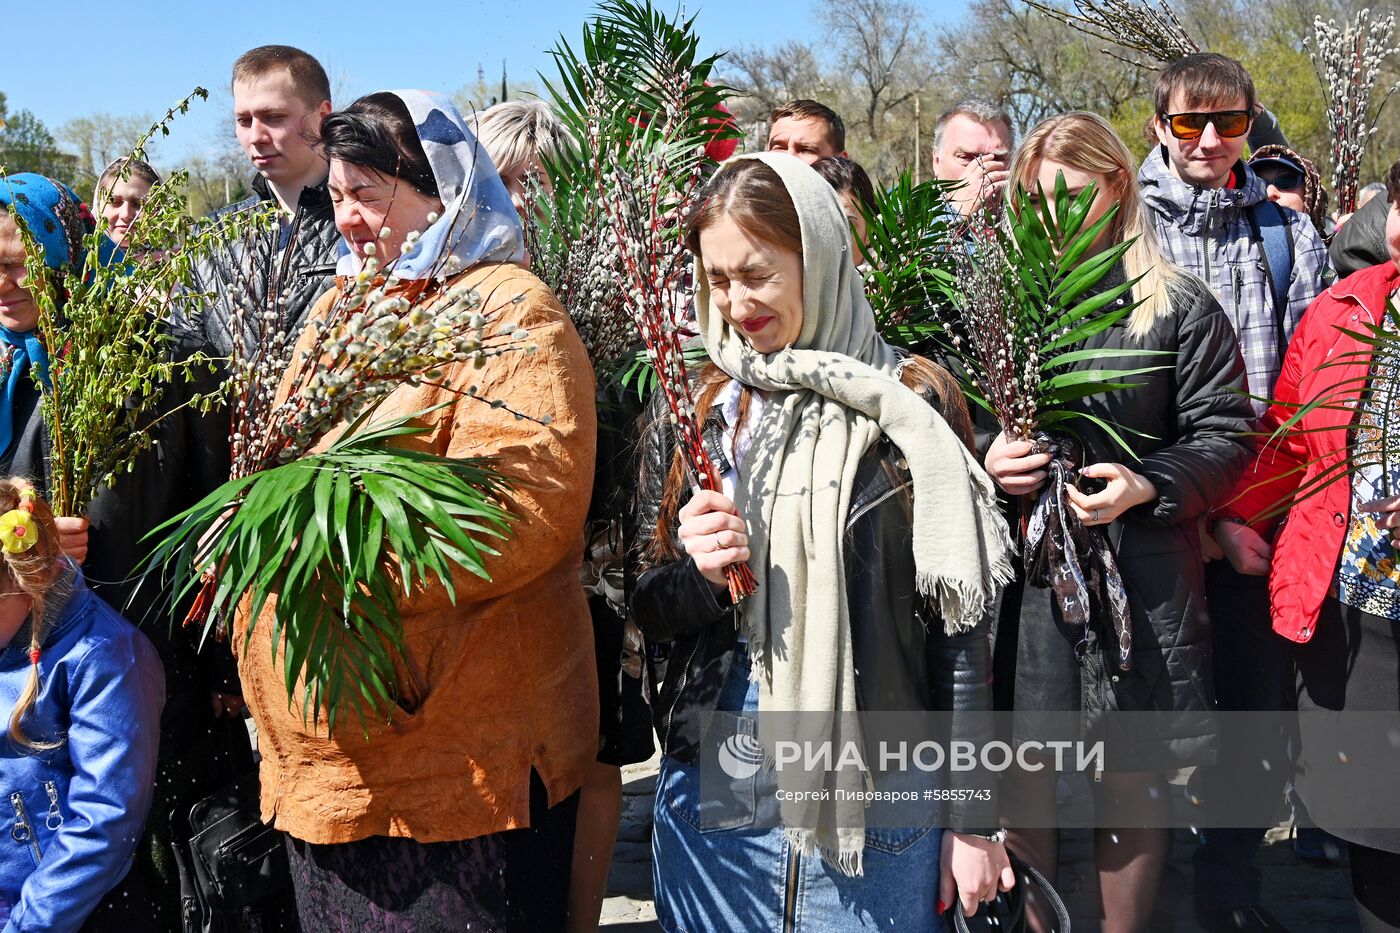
x: 1266, y: 263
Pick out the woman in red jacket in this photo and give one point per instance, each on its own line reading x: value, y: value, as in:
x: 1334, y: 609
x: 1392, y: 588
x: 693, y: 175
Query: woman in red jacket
x: 1333, y: 575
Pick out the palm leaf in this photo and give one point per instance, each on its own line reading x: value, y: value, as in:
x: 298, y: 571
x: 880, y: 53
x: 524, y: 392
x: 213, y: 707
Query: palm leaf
x: 334, y: 541
x: 911, y: 232
x: 1372, y: 390
x: 606, y: 91
x: 1024, y: 299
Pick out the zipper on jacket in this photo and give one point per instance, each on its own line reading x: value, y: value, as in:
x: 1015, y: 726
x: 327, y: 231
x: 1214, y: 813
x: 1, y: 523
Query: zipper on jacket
x: 1103, y: 708
x: 1205, y: 242
x: 55, y: 816
x: 794, y: 871
x: 680, y: 689
x: 23, y: 830
x: 856, y: 516
x: 1239, y: 286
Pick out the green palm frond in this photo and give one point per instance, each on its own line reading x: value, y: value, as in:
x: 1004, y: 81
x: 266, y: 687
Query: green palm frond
x: 1368, y: 385
x: 338, y: 539
x: 910, y: 235
x: 640, y: 376
x: 1025, y: 298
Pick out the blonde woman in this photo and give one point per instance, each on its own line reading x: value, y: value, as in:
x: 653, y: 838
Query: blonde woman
x: 520, y: 136
x: 81, y: 692
x: 1187, y: 421
x: 119, y: 200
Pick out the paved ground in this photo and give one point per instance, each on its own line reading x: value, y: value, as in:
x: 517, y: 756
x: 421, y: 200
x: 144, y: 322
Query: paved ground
x: 1307, y: 899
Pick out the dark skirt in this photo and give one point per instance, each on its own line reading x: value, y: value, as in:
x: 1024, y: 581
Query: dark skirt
x: 1351, y: 663
x: 516, y: 880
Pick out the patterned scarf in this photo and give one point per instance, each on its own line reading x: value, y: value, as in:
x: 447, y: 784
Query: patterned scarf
x: 1075, y: 562
x: 478, y: 222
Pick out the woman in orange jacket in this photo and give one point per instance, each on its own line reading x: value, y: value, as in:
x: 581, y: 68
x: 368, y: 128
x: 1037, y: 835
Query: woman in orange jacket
x: 460, y: 812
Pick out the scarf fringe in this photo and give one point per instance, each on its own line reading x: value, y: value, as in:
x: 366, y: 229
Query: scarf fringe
x: 849, y: 861
x: 964, y: 603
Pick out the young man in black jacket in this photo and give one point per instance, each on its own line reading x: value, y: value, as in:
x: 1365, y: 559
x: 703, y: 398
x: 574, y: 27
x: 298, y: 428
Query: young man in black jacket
x: 280, y: 96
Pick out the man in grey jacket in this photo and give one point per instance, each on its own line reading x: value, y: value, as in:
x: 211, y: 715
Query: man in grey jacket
x: 1266, y: 264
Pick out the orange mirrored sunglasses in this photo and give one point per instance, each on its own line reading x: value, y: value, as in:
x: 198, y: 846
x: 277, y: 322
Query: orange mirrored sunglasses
x: 1228, y: 123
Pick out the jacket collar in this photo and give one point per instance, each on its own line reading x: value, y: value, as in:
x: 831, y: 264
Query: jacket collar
x: 1188, y: 207
x: 67, y: 595
x: 314, y: 199
x: 1370, y: 288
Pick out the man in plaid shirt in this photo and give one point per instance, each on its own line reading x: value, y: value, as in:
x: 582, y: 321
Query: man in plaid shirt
x: 1209, y: 210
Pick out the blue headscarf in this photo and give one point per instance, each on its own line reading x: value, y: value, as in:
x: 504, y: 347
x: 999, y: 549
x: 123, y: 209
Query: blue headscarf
x: 58, y: 221
x: 478, y: 222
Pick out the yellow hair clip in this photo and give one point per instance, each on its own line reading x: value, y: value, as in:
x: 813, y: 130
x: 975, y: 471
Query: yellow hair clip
x: 18, y: 533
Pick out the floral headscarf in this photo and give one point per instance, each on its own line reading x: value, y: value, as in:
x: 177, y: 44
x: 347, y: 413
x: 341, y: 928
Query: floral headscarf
x: 478, y: 222
x: 55, y: 217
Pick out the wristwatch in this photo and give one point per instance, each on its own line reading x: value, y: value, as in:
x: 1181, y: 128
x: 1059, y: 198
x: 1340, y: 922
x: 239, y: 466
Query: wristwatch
x: 998, y: 836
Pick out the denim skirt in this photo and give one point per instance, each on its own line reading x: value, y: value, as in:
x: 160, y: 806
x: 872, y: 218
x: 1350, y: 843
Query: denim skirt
x: 738, y: 872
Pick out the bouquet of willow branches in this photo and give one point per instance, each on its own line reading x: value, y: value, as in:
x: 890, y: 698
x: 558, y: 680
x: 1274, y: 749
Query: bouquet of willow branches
x: 338, y: 536
x: 1348, y: 61
x: 639, y: 102
x: 104, y: 329
x: 1023, y: 302
x: 634, y: 63
x: 1026, y: 300
x: 1147, y: 27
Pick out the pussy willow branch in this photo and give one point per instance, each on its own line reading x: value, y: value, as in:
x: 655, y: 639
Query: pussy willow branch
x: 1146, y: 26
x: 1348, y: 61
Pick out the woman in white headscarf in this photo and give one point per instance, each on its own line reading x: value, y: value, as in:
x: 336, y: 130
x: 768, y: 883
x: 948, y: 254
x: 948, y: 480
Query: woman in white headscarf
x: 878, y: 550
x: 459, y: 813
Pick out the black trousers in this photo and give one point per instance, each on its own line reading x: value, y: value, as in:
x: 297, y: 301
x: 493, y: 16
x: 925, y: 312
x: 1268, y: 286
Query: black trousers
x: 1253, y: 670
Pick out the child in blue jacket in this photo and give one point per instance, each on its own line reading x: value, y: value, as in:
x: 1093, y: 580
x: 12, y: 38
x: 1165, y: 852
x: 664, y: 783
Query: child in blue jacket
x: 81, y: 692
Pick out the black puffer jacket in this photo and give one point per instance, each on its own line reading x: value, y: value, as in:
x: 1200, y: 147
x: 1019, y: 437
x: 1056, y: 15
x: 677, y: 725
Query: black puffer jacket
x: 1192, y: 418
x: 247, y: 271
x: 904, y: 661
x: 1360, y: 242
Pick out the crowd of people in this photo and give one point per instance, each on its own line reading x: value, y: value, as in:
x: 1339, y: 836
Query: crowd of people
x: 879, y: 515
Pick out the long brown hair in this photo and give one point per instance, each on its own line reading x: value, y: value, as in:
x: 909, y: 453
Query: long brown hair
x: 752, y: 195
x: 31, y: 573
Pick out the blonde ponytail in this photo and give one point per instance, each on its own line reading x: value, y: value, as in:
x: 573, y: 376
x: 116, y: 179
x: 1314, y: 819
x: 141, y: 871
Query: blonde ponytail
x: 30, y: 567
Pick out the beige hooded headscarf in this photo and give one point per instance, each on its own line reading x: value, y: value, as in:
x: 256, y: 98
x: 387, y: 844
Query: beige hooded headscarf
x: 829, y: 398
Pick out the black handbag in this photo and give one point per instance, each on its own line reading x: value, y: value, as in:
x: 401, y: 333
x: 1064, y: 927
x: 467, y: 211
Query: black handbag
x: 1007, y: 913
x: 234, y: 876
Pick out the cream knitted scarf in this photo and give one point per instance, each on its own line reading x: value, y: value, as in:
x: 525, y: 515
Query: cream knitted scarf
x: 829, y: 397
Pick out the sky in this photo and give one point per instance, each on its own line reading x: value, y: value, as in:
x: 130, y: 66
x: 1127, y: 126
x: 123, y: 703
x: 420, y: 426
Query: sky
x: 142, y: 56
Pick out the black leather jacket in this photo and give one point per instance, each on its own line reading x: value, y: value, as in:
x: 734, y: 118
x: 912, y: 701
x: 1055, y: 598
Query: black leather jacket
x: 904, y: 661
x: 298, y: 259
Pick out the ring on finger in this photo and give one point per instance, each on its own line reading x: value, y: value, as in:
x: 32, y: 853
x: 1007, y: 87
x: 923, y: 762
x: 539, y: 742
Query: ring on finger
x: 1094, y: 515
